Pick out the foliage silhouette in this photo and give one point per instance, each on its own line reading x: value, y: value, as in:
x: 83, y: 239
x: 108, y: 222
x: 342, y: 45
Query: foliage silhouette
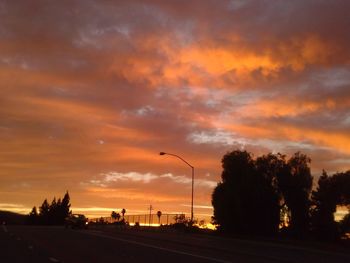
x: 344, y: 225
x: 114, y: 215
x: 159, y: 214
x: 53, y: 214
x: 240, y: 200
x: 118, y: 216
x: 295, y: 183
x: 183, y: 224
x: 123, y: 212
x: 44, y: 213
x: 268, y: 168
x: 181, y: 218
x: 252, y: 192
x: 33, y: 216
x: 331, y: 191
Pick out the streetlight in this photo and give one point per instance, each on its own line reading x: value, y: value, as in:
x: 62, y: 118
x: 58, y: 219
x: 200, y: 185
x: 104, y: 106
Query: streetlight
x: 164, y: 153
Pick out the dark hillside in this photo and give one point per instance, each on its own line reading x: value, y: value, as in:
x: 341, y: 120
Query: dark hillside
x: 12, y: 218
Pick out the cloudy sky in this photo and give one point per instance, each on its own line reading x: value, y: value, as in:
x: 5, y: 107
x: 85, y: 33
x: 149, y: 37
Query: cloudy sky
x: 91, y: 91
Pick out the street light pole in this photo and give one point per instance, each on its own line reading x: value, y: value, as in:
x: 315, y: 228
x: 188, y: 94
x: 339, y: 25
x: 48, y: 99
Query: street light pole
x: 192, y: 168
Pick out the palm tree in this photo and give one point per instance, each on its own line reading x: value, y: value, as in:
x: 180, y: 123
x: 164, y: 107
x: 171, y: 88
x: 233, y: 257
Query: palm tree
x: 123, y: 212
x: 114, y: 215
x: 159, y: 214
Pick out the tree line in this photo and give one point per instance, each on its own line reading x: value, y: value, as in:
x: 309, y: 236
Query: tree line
x: 51, y: 214
x: 116, y: 216
x: 271, y: 194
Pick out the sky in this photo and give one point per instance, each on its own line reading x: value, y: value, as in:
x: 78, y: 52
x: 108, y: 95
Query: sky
x: 92, y: 91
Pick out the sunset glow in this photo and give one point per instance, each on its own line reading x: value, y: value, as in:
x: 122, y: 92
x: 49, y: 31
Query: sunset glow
x: 92, y: 91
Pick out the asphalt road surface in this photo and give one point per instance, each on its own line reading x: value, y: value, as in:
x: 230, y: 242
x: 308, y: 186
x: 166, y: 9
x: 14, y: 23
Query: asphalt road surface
x: 55, y: 244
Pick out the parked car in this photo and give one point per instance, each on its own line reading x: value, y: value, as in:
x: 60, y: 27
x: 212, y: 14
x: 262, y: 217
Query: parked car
x: 76, y: 221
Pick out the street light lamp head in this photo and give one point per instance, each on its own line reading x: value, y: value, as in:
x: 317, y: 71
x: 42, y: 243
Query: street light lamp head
x: 161, y: 153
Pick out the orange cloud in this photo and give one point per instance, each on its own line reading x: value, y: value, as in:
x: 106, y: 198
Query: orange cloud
x: 202, y: 65
x: 336, y: 141
x: 282, y: 107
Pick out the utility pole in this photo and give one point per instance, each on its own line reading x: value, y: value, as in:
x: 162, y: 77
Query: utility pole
x: 150, y: 214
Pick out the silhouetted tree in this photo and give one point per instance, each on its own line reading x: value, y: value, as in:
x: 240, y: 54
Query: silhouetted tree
x: 331, y: 191
x: 56, y: 212
x: 232, y: 198
x: 181, y: 222
x: 114, y: 215
x: 60, y: 215
x: 344, y: 224
x: 295, y: 182
x: 269, y: 167
x: 34, y: 212
x: 53, y: 212
x: 33, y: 216
x: 61, y: 210
x: 325, y: 203
x: 123, y: 212
x: 181, y: 218
x: 245, y: 201
x: 117, y: 216
x: 65, y: 206
x: 252, y: 192
x: 44, y: 212
x: 159, y: 214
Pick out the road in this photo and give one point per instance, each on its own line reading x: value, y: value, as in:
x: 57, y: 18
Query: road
x: 55, y: 244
